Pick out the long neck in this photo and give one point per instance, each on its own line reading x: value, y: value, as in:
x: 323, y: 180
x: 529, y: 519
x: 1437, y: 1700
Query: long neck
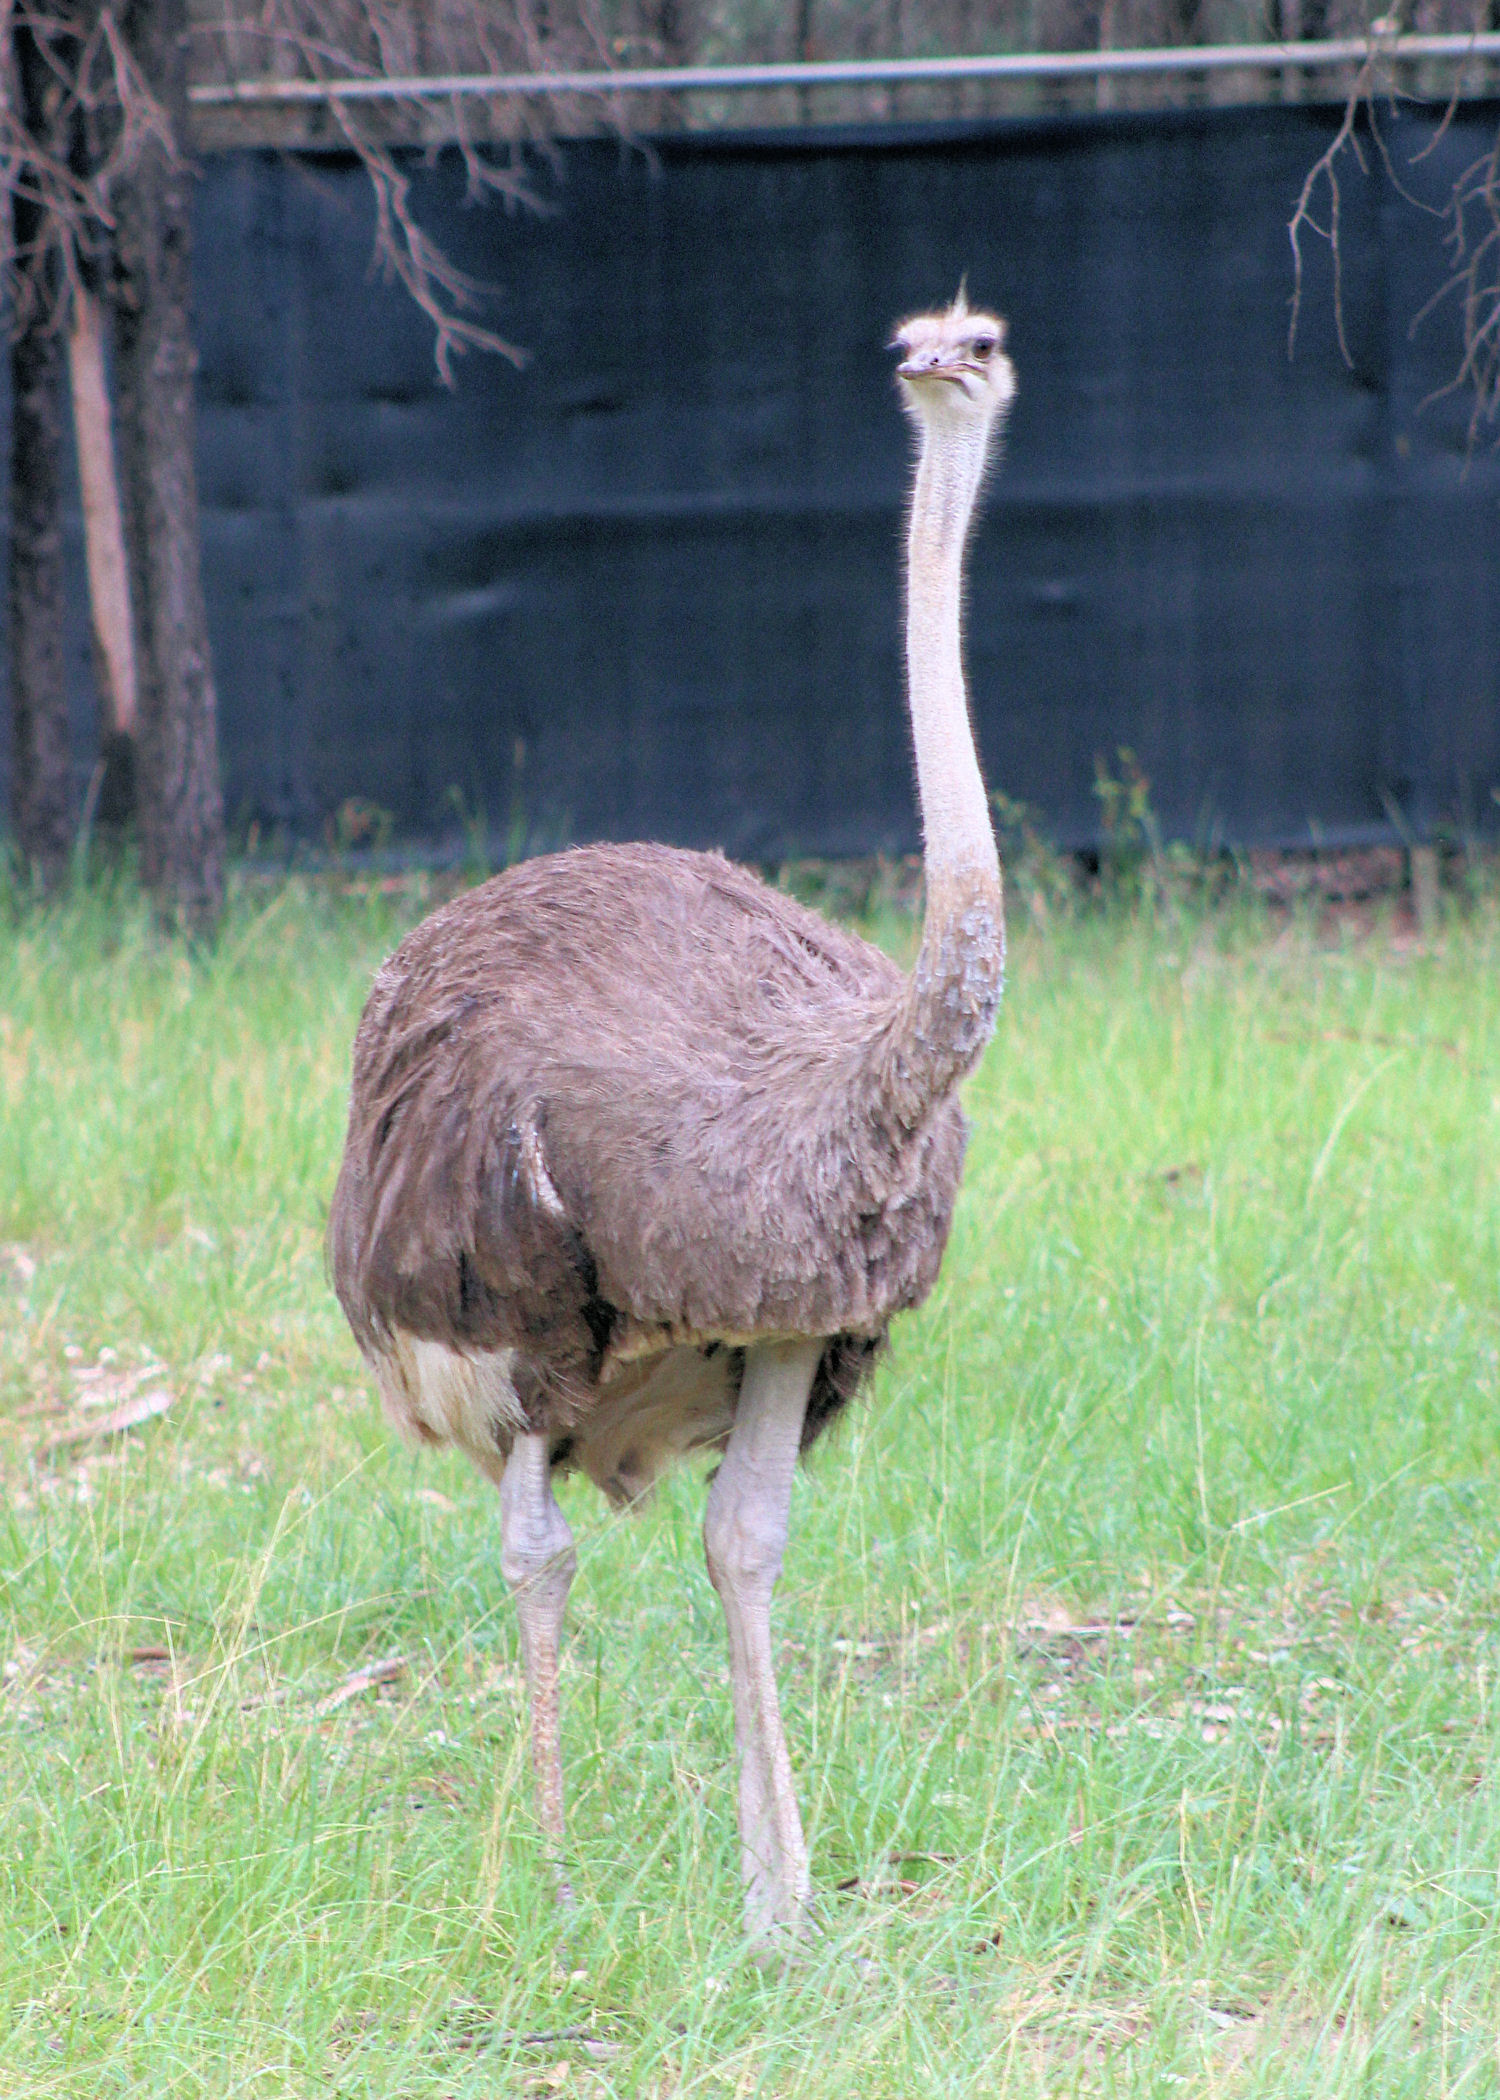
x: 949, y: 1013
x: 958, y: 839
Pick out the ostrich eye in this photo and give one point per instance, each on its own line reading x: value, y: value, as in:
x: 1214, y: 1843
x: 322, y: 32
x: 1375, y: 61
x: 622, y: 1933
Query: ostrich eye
x: 983, y: 346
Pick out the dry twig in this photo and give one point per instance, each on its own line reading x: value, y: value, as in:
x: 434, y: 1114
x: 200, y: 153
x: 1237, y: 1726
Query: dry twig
x: 388, y: 1671
x: 323, y: 40
x: 99, y: 113
x: 1473, y: 239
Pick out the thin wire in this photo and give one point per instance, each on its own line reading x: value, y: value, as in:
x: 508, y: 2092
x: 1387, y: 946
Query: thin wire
x: 1013, y: 65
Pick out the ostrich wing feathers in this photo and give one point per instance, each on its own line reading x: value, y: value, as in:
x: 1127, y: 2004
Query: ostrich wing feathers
x: 624, y: 1097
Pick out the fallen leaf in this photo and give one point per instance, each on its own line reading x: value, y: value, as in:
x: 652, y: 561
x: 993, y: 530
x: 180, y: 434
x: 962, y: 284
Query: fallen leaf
x: 436, y: 1500
x: 130, y: 1414
x: 472, y: 2027
x: 101, y: 1385
x: 19, y: 1665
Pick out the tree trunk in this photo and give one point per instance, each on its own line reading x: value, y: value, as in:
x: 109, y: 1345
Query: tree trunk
x: 108, y: 569
x: 38, y: 691
x: 110, y: 804
x: 38, y: 694
x: 179, y: 798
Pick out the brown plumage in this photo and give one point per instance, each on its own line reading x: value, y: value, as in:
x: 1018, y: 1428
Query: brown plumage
x: 643, y: 1156
x: 625, y: 1102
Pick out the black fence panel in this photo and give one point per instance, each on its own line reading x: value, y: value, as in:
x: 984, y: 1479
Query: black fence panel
x: 649, y: 584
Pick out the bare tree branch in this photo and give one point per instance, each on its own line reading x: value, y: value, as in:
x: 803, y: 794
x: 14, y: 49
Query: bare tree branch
x: 1472, y: 239
x: 101, y: 115
x: 1325, y: 170
x: 1475, y: 280
x: 329, y: 39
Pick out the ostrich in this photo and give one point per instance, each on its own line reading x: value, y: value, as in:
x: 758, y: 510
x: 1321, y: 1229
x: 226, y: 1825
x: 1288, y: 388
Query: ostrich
x: 643, y: 1156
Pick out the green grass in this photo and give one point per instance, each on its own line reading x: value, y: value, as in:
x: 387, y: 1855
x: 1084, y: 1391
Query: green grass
x: 1139, y: 1630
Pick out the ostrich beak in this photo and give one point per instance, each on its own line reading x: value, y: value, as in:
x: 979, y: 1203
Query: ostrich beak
x: 934, y: 364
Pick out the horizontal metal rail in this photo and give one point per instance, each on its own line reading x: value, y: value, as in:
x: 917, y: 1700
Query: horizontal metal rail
x: 867, y: 72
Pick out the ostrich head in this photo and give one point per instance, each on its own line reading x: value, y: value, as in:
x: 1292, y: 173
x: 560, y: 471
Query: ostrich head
x: 954, y: 370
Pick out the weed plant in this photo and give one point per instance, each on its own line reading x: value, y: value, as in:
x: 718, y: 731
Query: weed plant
x: 1139, y: 1647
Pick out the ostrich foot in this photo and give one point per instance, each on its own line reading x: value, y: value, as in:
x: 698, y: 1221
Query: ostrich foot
x: 538, y: 1562
x: 744, y: 1536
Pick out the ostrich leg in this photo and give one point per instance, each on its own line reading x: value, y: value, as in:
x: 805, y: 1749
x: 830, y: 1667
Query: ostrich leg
x: 744, y: 1535
x: 538, y: 1562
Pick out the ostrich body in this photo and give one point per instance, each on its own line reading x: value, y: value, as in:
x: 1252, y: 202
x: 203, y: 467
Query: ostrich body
x: 643, y: 1156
